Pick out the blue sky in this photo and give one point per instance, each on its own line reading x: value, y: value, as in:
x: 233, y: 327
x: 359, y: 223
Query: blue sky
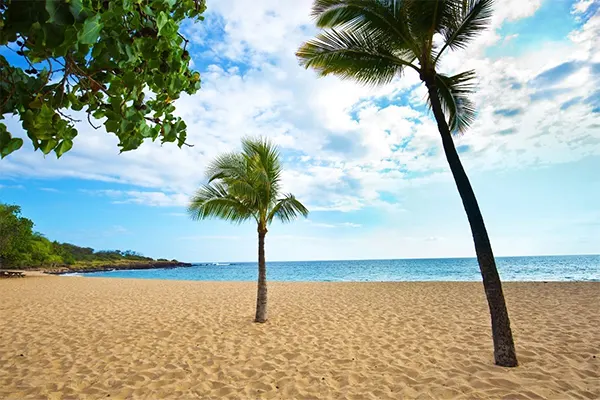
x: 367, y: 161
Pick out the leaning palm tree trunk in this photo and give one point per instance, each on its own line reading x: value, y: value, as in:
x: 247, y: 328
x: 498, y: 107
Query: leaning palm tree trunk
x: 261, y: 296
x: 504, y: 348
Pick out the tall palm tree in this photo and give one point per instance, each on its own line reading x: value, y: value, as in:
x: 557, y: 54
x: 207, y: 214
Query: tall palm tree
x: 372, y: 42
x: 246, y: 186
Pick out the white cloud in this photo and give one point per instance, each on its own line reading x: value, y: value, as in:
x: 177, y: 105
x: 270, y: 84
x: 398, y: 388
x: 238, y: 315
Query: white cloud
x: 12, y: 187
x: 344, y: 145
x: 581, y: 6
x: 210, y: 237
x: 118, y: 229
x: 350, y: 225
x: 155, y: 199
x: 48, y: 189
x: 176, y: 214
x: 332, y: 225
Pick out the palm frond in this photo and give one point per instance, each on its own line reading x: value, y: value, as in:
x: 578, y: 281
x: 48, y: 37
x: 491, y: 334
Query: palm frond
x: 468, y: 19
x: 383, y: 17
x: 245, y: 185
x: 426, y: 17
x: 214, y: 201
x: 287, y: 209
x: 454, y: 94
x: 229, y: 165
x: 262, y: 157
x: 353, y: 54
x: 264, y: 152
x: 244, y: 189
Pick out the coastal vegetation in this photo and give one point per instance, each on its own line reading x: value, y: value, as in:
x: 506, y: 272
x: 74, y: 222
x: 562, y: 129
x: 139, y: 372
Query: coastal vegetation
x: 246, y: 186
x: 122, y: 63
x: 21, y: 247
x: 373, y: 42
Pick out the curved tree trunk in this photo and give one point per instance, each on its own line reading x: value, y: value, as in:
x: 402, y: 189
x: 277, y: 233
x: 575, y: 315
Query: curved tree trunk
x: 261, y: 297
x: 504, y: 348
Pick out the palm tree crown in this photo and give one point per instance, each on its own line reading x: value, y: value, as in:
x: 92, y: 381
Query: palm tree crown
x: 373, y: 41
x: 245, y: 186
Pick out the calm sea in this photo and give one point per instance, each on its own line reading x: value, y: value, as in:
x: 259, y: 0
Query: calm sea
x: 547, y: 268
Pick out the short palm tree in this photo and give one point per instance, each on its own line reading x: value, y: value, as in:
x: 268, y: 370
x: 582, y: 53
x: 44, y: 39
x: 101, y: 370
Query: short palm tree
x: 246, y: 186
x: 372, y: 42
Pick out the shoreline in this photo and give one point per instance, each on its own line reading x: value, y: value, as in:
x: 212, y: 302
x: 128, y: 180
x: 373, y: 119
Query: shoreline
x: 83, y: 275
x: 142, y: 338
x: 66, y: 269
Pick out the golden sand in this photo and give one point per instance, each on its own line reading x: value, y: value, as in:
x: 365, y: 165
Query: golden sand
x: 69, y: 337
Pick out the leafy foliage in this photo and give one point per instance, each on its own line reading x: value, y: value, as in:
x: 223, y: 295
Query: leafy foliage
x: 121, y: 61
x: 15, y: 234
x: 21, y: 247
x: 373, y: 41
x: 245, y: 186
x: 454, y: 94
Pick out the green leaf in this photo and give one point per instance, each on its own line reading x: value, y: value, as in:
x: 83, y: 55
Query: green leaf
x: 131, y: 55
x: 63, y: 147
x: 12, y: 145
x: 36, y: 103
x: 99, y: 114
x: 45, y: 116
x: 168, y: 133
x: 161, y: 21
x: 91, y: 30
x: 59, y: 12
x: 112, y: 126
x: 47, y: 145
x: 69, y: 43
x: 54, y: 36
x: 76, y: 8
x: 146, y: 131
x: 77, y: 105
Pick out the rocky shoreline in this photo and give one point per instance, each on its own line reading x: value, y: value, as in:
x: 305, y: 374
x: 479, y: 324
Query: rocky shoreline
x: 67, y: 269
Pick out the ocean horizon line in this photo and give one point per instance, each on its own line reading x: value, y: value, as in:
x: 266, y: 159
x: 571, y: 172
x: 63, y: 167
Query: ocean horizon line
x: 393, y: 259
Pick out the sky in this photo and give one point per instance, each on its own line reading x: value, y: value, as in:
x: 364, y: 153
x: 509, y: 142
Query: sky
x: 366, y: 161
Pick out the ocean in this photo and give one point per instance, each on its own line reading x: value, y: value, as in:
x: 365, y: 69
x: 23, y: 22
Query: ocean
x: 545, y: 268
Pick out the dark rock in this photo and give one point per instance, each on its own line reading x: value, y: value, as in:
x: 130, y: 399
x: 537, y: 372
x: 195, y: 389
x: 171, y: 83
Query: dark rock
x: 113, y: 267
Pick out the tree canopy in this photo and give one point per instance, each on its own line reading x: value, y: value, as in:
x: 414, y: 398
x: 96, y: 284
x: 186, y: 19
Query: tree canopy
x: 15, y: 234
x: 246, y: 186
x: 21, y: 247
x: 374, y: 41
x: 122, y: 62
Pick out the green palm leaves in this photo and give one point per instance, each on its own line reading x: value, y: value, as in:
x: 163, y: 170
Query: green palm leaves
x: 454, y: 94
x: 244, y: 186
x: 373, y: 41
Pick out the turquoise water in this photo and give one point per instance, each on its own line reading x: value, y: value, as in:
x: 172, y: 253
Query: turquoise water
x: 550, y: 268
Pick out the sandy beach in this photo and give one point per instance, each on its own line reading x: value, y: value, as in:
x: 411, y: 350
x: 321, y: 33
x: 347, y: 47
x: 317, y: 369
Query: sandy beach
x: 73, y: 337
